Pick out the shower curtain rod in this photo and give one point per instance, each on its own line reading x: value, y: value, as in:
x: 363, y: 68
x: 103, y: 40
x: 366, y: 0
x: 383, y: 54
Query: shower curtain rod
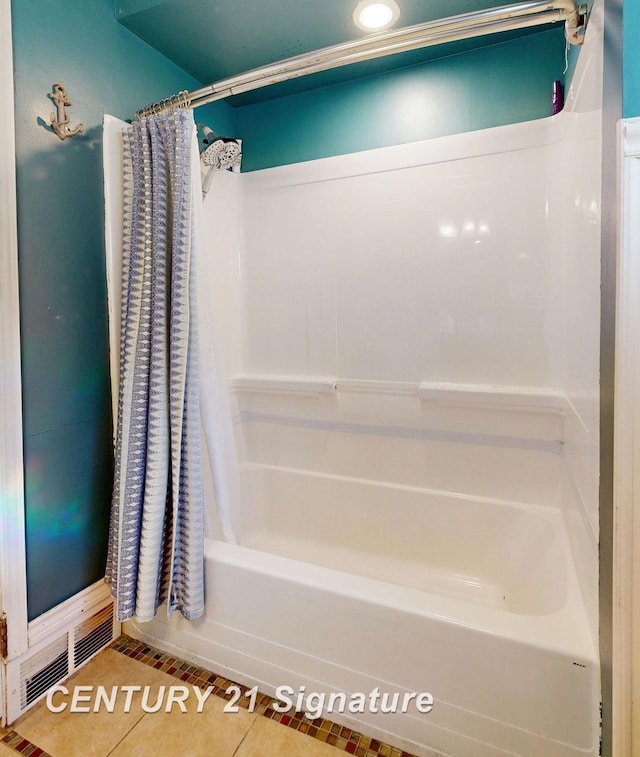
x: 464, y: 26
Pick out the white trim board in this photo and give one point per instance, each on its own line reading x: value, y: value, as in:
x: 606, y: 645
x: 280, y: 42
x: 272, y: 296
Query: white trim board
x: 490, y: 395
x: 498, y: 139
x: 84, y: 603
x: 626, y: 492
x: 13, y: 589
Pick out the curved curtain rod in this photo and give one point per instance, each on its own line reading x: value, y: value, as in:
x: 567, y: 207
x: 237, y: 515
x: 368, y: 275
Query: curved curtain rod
x: 464, y: 26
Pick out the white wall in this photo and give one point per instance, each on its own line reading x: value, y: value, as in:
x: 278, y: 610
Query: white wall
x: 579, y: 170
x: 469, y: 260
x: 577, y: 301
x: 435, y: 271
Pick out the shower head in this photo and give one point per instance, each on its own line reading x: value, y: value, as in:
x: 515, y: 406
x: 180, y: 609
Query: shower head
x: 221, y: 153
x: 218, y: 154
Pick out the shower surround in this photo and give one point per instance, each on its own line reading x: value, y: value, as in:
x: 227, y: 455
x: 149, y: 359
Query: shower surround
x: 411, y: 337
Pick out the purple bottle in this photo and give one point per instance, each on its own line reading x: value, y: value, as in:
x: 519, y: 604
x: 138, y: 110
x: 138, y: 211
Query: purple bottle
x: 557, y: 97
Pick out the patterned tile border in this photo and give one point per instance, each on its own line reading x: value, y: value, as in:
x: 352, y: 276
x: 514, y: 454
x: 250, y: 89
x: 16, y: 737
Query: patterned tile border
x: 339, y: 736
x: 24, y: 746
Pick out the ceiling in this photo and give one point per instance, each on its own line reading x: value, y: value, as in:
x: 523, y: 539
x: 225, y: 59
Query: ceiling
x: 214, y: 39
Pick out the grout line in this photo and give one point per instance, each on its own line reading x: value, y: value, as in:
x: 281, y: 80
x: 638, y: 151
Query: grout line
x: 343, y: 738
x: 235, y: 751
x: 115, y: 746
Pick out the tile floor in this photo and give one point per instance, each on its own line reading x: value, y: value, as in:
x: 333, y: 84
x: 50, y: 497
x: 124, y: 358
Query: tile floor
x: 5, y: 751
x: 212, y: 732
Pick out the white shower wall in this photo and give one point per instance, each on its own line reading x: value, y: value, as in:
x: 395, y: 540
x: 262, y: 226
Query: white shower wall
x: 578, y: 268
x: 425, y: 262
x: 470, y: 260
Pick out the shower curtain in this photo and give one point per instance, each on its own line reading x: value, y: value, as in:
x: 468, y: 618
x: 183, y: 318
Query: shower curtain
x: 156, y: 536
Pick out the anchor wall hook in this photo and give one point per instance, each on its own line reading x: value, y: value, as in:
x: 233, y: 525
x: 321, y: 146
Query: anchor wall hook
x: 60, y: 119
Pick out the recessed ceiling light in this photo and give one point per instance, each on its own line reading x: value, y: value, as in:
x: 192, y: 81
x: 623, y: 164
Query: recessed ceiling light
x: 375, y: 15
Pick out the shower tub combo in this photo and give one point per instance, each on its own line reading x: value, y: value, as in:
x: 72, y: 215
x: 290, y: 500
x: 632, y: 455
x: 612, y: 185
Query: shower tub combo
x: 411, y: 517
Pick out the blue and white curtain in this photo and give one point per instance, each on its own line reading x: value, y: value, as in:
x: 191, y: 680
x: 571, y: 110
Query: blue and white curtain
x: 156, y: 532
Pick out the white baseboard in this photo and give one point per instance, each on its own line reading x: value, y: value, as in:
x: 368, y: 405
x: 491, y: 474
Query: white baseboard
x: 70, y: 612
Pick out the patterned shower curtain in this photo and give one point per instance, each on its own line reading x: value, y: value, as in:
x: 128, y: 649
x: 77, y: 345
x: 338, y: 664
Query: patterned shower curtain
x: 156, y: 532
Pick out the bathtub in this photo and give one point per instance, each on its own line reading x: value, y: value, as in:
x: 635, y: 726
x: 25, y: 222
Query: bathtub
x: 347, y: 578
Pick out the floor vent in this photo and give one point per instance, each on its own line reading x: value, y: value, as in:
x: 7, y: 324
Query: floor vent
x: 77, y: 636
x: 43, y: 670
x: 92, y: 635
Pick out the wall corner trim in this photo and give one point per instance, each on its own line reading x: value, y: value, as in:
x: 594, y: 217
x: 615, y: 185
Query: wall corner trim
x: 13, y: 589
x: 626, y: 465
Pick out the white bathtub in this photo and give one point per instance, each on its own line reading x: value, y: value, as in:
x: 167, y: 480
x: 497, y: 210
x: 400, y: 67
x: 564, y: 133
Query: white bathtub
x: 350, y: 582
x: 494, y: 554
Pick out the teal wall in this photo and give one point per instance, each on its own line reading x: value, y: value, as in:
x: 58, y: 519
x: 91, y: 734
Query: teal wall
x: 66, y: 394
x: 631, y: 59
x: 501, y: 84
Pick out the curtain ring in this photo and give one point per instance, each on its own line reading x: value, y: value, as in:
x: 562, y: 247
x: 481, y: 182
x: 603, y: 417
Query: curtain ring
x: 179, y: 100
